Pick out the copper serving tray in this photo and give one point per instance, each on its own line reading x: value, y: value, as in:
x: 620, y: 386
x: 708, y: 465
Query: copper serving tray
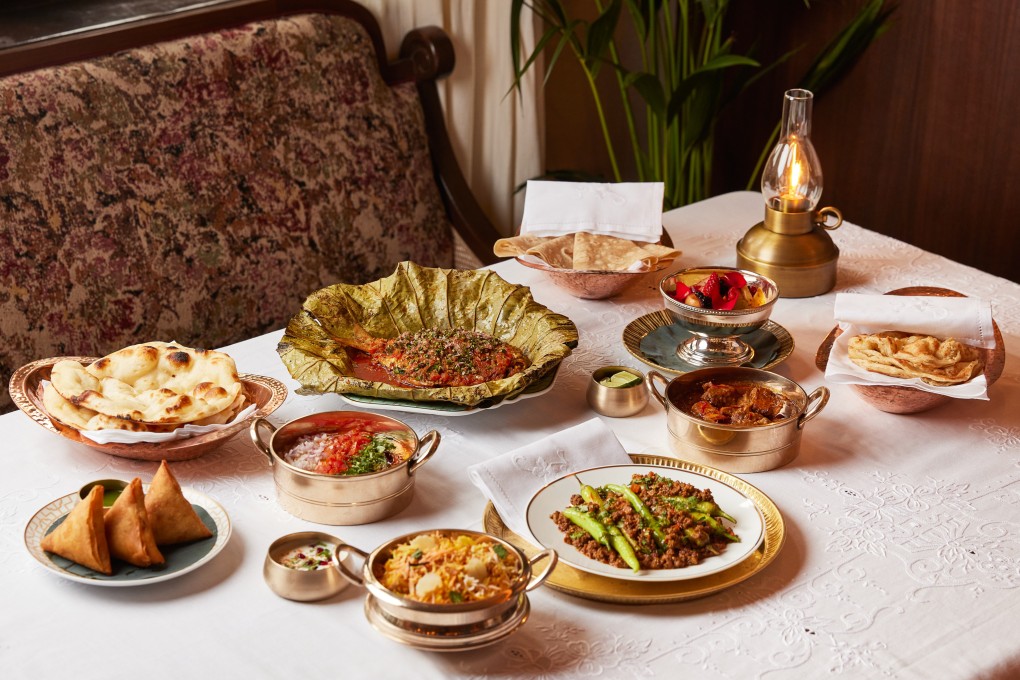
x: 566, y: 579
x: 26, y: 392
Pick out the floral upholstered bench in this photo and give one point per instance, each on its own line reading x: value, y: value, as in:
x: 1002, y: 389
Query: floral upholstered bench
x: 195, y: 178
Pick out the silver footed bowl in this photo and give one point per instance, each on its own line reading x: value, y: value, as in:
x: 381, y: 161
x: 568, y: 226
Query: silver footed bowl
x: 716, y: 333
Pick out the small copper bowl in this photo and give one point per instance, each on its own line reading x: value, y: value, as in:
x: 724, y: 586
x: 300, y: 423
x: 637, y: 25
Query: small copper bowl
x: 304, y: 585
x: 465, y: 618
x: 616, y: 402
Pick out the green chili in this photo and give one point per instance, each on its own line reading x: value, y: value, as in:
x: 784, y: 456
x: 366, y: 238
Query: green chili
x: 643, y: 510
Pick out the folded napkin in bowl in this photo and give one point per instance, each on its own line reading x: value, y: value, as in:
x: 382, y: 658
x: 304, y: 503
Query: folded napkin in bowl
x: 512, y: 479
x: 627, y: 210
x: 968, y: 320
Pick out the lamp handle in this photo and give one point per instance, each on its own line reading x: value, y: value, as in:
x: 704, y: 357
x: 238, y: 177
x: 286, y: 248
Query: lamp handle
x: 826, y: 212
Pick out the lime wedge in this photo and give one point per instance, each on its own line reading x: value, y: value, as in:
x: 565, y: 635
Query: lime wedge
x: 621, y: 379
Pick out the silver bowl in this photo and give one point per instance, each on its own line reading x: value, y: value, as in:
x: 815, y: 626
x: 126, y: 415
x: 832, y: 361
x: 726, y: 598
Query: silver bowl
x: 716, y: 333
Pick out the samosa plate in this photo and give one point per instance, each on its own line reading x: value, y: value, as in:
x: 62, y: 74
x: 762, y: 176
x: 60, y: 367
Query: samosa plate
x: 411, y: 299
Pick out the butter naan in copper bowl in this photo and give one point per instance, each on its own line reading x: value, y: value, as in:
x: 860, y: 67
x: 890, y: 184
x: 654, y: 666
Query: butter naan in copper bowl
x: 149, y: 387
x: 939, y: 362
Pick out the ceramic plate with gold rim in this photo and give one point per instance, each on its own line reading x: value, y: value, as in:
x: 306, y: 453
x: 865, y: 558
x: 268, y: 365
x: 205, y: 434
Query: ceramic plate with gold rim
x: 26, y: 392
x: 653, y: 338
x: 749, y: 526
x: 180, y: 559
x: 567, y: 579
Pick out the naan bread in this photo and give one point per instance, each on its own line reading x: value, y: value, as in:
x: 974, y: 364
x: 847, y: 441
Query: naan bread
x: 61, y: 409
x: 157, y: 382
x: 172, y: 518
x: 901, y: 355
x: 128, y: 533
x: 81, y: 537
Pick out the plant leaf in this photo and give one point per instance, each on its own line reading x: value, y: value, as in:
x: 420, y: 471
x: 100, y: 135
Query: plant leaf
x: 600, y: 34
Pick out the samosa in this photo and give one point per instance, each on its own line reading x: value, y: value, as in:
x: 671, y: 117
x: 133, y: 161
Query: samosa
x: 128, y: 532
x: 172, y: 518
x: 81, y: 536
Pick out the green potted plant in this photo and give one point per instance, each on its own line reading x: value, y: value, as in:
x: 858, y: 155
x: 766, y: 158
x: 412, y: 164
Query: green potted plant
x: 687, y: 72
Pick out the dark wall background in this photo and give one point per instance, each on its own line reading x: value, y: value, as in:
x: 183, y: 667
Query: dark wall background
x: 920, y: 141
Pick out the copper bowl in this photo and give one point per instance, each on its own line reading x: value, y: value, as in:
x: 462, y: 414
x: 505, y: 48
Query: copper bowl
x: 735, y: 448
x: 594, y: 284
x: 897, y: 399
x: 465, y: 618
x: 339, y: 499
x: 26, y: 391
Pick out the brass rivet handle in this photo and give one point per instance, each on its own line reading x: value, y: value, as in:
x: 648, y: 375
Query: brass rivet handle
x: 823, y: 215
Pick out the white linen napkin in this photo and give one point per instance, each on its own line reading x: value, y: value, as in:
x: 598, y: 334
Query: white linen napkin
x: 512, y: 479
x: 969, y: 320
x: 628, y: 210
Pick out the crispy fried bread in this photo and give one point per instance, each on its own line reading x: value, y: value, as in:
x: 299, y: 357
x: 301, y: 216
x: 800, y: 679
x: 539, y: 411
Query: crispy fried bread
x: 902, y: 355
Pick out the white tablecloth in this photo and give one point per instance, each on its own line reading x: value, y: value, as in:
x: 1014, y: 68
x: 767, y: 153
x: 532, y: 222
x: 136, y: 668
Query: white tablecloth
x: 902, y: 556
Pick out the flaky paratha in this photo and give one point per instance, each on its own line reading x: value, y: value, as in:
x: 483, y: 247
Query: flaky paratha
x: 902, y: 355
x: 158, y: 383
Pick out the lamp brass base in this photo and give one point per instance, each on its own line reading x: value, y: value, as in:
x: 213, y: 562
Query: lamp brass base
x: 794, y: 250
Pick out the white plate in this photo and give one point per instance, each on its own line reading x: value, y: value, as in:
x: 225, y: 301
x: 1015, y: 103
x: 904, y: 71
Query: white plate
x: 750, y: 526
x: 180, y: 559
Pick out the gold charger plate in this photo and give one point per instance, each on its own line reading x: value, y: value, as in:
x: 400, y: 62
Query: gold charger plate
x: 26, y: 392
x: 566, y: 579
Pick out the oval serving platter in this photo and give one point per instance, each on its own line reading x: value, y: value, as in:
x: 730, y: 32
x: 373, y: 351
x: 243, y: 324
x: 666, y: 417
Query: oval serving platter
x: 571, y: 581
x: 180, y: 559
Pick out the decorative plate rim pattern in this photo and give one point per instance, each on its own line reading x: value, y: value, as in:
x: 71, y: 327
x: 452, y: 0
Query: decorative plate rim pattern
x: 44, y: 518
x: 541, y: 505
x: 636, y: 330
x: 570, y: 581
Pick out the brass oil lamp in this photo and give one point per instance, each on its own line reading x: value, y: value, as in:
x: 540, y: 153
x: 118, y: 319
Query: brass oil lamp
x: 791, y: 245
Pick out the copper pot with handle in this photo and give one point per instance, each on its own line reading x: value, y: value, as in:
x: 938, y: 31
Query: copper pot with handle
x: 735, y: 448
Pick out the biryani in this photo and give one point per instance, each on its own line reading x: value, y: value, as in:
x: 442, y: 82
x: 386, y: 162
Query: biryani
x: 436, y: 568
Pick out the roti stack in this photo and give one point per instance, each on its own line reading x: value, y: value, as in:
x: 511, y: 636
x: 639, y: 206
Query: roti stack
x: 583, y: 251
x: 902, y: 355
x: 150, y: 387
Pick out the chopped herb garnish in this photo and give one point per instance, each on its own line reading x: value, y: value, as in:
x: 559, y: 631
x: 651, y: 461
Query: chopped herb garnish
x: 456, y: 597
x: 500, y: 551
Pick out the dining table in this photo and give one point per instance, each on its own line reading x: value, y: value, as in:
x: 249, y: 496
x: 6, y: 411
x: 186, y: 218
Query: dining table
x: 899, y: 555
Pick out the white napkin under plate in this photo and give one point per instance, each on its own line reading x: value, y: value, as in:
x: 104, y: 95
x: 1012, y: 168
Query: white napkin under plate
x: 512, y: 479
x: 969, y: 320
x: 628, y: 210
